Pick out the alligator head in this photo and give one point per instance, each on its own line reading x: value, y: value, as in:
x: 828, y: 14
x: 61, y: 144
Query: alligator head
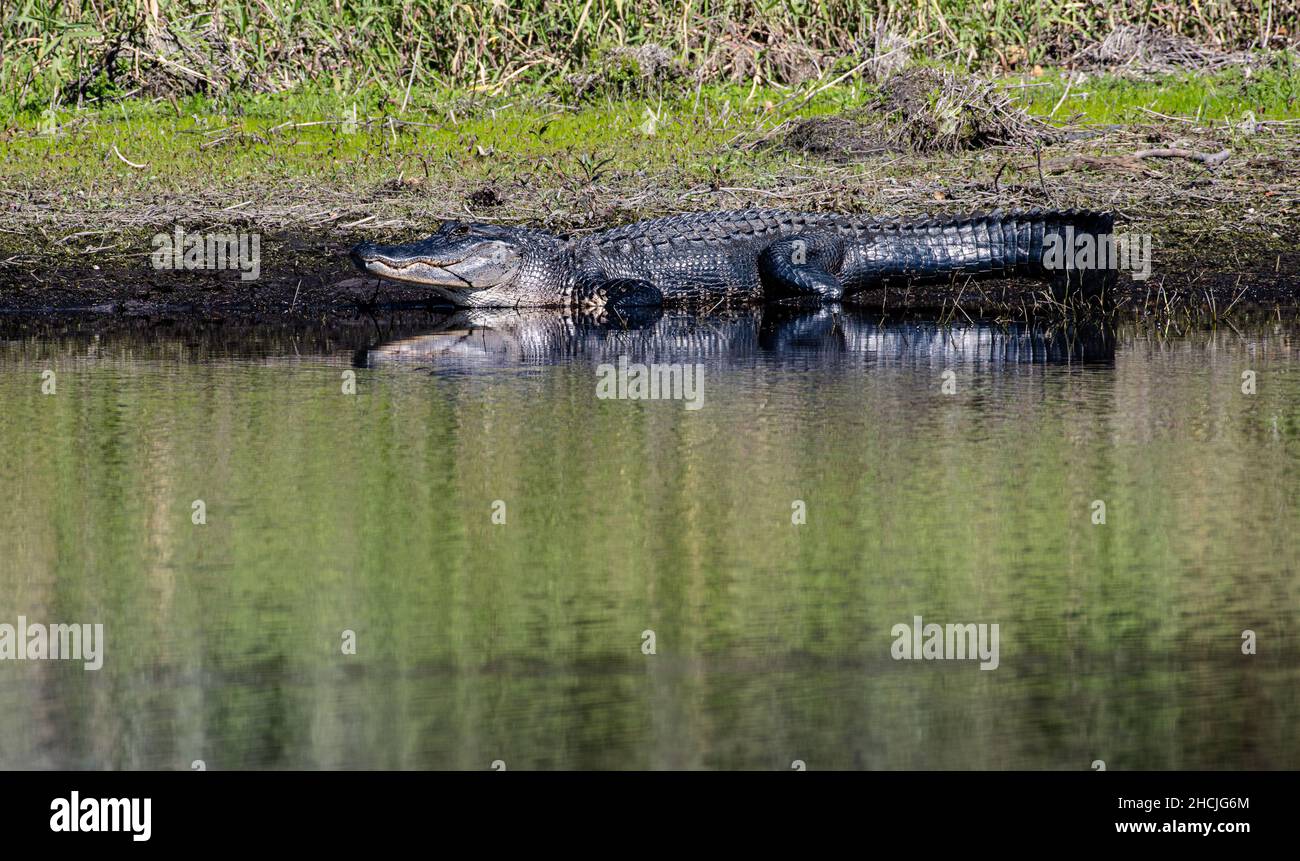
x: 461, y: 262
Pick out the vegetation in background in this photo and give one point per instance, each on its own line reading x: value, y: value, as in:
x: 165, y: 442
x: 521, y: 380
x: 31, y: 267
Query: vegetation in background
x: 69, y: 51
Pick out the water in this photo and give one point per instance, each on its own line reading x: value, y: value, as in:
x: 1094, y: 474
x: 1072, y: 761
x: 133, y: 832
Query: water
x: 523, y: 642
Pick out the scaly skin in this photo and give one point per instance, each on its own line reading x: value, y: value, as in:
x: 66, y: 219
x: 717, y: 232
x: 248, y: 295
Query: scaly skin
x: 752, y: 255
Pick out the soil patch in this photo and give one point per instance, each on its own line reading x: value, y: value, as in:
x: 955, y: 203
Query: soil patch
x: 922, y: 110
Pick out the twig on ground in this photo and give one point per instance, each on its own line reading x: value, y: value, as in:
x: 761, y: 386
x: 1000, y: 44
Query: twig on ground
x: 126, y: 161
x: 1209, y: 159
x: 1134, y: 161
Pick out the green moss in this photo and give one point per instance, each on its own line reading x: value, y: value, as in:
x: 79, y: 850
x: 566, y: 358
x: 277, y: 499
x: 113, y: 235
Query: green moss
x: 310, y: 134
x: 301, y: 148
x: 1270, y: 93
x: 197, y: 135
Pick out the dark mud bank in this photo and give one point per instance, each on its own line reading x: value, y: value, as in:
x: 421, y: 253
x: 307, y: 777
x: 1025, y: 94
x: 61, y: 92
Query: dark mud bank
x: 310, y: 278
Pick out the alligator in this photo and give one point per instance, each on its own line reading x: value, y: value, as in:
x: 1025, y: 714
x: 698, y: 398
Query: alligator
x: 752, y: 255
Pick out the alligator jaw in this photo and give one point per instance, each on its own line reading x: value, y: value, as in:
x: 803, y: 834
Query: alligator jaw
x: 439, y: 279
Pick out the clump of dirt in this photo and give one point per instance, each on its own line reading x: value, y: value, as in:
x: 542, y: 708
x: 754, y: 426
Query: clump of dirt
x: 931, y: 110
x: 485, y: 197
x: 398, y: 184
x: 628, y: 71
x: 922, y: 110
x: 845, y: 137
x: 1145, y: 50
x: 652, y: 62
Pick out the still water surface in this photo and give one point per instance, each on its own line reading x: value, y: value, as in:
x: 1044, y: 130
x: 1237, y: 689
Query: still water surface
x: 372, y: 513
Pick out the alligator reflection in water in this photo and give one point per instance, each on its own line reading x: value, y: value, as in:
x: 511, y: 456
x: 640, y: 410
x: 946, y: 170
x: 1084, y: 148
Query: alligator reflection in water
x: 505, y: 337
x: 363, y: 500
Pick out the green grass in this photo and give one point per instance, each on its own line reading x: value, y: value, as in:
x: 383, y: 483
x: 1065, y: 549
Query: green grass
x: 245, y: 137
x: 1273, y: 94
x: 249, y: 139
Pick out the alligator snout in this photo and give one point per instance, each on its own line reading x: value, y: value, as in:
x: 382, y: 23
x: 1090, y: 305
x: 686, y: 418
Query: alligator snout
x: 363, y: 254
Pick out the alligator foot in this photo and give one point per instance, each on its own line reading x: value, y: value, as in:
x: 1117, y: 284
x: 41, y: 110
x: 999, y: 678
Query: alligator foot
x: 619, y: 294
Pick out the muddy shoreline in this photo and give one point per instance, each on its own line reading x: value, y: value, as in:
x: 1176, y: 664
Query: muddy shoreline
x: 1221, y: 235
x: 1215, y: 190
x: 309, y: 277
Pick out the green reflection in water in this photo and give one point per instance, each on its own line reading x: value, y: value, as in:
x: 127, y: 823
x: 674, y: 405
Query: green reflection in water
x: 522, y: 641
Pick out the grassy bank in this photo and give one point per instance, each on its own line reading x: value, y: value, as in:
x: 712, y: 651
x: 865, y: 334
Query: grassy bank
x: 324, y: 159
x: 318, y: 166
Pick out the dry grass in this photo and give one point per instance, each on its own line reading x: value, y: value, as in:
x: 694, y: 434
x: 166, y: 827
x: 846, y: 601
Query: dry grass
x: 1151, y: 51
x: 68, y: 52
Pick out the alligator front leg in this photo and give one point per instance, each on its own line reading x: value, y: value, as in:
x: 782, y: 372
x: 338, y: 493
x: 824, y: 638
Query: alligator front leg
x: 617, y: 294
x: 803, y: 265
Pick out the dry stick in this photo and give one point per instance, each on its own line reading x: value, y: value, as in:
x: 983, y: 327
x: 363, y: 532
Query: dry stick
x: 1042, y: 183
x: 582, y: 19
x: 1205, y: 158
x: 292, y: 124
x: 415, y: 64
x: 127, y: 161
x: 158, y: 58
x: 1069, y: 82
x: 1134, y: 161
x: 499, y: 86
x: 997, y: 177
x: 1165, y: 116
x: 1235, y: 299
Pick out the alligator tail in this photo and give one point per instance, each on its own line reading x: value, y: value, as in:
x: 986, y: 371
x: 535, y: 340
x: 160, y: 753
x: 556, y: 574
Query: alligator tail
x: 1045, y: 244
